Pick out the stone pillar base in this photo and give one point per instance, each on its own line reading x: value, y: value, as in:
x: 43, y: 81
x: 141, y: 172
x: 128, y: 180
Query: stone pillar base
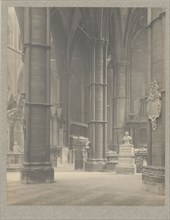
x: 126, y: 169
x: 95, y: 165
x: 33, y: 174
x: 153, y: 179
x: 110, y: 167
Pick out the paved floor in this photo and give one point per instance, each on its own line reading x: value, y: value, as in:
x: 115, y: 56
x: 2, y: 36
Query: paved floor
x: 82, y: 188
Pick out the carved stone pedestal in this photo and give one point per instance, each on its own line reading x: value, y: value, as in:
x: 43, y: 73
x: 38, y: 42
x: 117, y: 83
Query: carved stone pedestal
x: 126, y: 160
x: 37, y: 174
x: 95, y: 165
x: 112, y: 161
x: 154, y: 179
x: 110, y: 166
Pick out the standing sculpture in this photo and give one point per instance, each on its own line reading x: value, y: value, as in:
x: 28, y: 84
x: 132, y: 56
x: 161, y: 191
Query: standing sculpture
x: 126, y: 156
x: 127, y: 139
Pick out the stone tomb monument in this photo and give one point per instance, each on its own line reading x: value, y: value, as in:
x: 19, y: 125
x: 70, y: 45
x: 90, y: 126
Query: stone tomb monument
x: 126, y: 163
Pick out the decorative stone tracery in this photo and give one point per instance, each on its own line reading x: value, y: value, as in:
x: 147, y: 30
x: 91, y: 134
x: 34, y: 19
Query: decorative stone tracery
x: 16, y: 113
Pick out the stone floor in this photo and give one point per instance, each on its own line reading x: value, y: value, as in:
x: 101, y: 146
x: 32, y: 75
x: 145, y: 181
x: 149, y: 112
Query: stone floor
x: 82, y: 188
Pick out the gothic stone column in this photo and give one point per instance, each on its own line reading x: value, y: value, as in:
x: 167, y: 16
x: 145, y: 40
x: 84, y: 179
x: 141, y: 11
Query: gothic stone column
x: 37, y: 167
x: 119, y: 102
x: 10, y: 135
x: 64, y: 102
x: 154, y: 174
x: 83, y: 107
x: 98, y: 104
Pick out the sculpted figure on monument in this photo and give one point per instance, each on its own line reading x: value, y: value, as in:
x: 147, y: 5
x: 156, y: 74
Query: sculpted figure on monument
x: 127, y: 139
x: 17, y: 148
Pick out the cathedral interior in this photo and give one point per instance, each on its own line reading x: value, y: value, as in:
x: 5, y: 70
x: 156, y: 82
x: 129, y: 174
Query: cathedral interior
x: 82, y: 84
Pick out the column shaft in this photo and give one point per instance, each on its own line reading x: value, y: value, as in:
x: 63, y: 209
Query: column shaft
x: 149, y: 127
x: 119, y: 102
x: 37, y: 167
x: 64, y: 93
x: 98, y: 106
x: 11, y: 136
x: 83, y: 107
x: 154, y: 174
x: 105, y: 100
x: 99, y: 98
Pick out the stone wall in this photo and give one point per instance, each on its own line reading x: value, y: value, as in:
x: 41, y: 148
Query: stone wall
x: 158, y: 73
x: 138, y: 70
x: 154, y: 174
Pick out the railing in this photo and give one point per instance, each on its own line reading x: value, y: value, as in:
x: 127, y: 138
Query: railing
x: 140, y: 160
x: 14, y: 161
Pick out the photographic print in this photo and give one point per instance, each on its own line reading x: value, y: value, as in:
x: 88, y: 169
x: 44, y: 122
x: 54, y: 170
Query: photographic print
x: 85, y: 109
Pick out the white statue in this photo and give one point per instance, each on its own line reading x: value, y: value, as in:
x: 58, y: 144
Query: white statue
x: 17, y: 148
x: 127, y: 139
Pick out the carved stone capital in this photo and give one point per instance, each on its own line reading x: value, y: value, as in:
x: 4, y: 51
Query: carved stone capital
x: 13, y: 115
x: 79, y: 141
